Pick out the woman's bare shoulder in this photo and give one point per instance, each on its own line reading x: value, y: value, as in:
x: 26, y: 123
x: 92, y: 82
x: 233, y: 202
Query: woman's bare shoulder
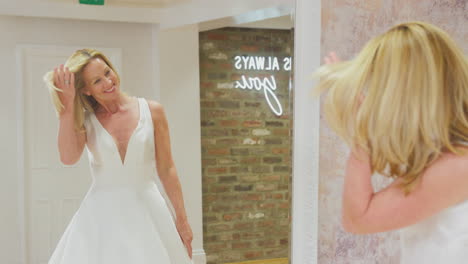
x: 452, y: 161
x: 156, y: 109
x: 450, y: 170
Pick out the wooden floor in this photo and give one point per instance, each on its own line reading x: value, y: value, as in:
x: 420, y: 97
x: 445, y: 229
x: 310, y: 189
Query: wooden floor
x: 264, y: 261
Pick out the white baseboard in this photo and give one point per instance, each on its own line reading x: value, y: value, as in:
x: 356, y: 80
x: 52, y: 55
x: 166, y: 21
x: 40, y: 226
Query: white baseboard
x: 199, y: 256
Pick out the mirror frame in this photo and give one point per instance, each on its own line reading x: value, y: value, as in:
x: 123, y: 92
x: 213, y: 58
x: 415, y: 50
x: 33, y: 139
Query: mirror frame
x: 305, y: 206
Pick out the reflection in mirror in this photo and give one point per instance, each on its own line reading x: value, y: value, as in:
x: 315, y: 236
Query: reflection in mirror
x: 246, y: 122
x: 246, y: 131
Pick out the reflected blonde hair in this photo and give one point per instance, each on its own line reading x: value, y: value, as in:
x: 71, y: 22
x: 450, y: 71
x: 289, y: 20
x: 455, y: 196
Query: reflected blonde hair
x: 403, y: 99
x: 76, y: 63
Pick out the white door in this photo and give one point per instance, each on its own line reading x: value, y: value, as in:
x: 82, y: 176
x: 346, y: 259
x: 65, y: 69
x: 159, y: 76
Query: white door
x: 52, y: 191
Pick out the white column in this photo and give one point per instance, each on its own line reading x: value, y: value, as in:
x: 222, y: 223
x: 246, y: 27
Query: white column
x: 306, y: 134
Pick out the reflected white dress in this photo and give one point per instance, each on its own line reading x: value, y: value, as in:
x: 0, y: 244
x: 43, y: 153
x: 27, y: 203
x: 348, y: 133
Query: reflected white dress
x: 123, y: 219
x: 440, y: 239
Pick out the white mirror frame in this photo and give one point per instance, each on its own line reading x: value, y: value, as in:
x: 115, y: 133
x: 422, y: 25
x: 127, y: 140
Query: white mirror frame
x: 306, y: 134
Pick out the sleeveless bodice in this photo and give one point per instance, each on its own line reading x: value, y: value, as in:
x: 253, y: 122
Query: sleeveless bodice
x: 440, y: 239
x: 107, y: 167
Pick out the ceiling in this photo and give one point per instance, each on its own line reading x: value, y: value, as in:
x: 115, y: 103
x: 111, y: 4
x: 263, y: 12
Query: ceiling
x: 146, y: 3
x: 135, y: 3
x: 165, y: 13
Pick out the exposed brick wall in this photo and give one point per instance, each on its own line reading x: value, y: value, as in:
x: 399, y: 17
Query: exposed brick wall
x: 246, y: 148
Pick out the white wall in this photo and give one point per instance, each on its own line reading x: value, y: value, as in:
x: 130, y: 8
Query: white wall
x: 180, y: 95
x: 139, y: 77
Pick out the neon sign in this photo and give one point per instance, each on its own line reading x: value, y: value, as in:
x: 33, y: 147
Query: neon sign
x: 267, y: 84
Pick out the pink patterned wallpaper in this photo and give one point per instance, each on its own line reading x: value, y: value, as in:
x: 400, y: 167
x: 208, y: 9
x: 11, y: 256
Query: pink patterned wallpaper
x: 346, y: 26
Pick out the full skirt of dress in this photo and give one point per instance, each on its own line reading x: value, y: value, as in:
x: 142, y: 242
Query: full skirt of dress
x: 121, y: 226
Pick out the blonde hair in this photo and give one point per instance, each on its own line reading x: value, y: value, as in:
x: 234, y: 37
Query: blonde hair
x: 76, y: 63
x: 403, y: 99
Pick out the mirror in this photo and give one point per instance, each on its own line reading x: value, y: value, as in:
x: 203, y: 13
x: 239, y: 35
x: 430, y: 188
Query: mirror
x: 246, y: 137
x: 223, y: 72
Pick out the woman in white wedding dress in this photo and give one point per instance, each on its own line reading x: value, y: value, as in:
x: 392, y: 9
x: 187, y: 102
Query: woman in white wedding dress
x: 124, y: 218
x: 402, y: 106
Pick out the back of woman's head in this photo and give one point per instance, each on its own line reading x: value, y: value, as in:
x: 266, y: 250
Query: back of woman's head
x: 76, y: 64
x: 414, y: 81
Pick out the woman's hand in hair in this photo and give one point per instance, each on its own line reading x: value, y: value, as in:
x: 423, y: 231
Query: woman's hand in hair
x: 331, y: 58
x: 65, y: 81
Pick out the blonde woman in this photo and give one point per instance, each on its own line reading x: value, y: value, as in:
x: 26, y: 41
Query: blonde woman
x: 402, y: 106
x: 123, y: 218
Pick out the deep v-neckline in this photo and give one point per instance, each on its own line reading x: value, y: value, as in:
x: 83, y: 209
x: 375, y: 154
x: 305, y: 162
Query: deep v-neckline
x: 124, y: 159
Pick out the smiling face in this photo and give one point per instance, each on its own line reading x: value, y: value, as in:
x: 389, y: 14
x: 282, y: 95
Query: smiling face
x: 100, y: 80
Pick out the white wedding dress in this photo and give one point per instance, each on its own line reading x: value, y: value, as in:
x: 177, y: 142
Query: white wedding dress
x: 123, y: 218
x: 440, y: 239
